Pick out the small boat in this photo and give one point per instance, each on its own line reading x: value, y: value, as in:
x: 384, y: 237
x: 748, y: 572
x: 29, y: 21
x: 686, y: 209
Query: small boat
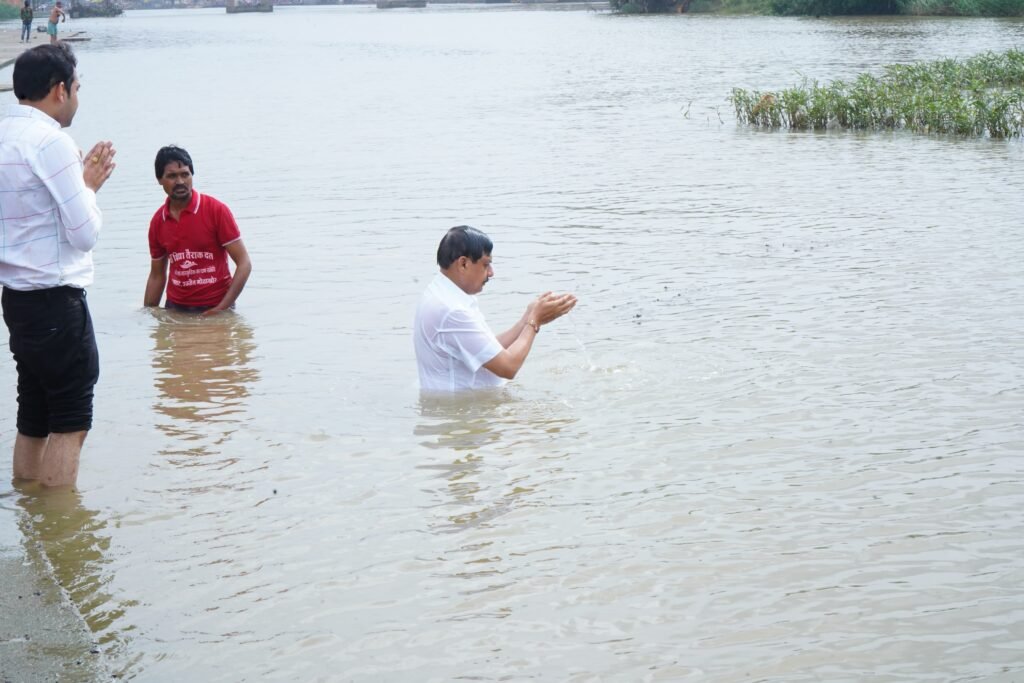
x: 76, y: 37
x: 392, y: 4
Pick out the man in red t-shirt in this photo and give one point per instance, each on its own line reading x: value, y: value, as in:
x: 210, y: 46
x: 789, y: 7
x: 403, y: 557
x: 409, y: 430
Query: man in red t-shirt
x: 194, y: 234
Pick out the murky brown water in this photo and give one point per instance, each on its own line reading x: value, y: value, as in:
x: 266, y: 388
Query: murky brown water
x: 779, y: 439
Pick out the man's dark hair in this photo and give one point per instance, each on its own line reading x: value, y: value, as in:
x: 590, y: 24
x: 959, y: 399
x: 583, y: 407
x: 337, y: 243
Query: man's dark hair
x: 170, y: 154
x: 463, y: 240
x: 37, y: 70
x: 28, y: 3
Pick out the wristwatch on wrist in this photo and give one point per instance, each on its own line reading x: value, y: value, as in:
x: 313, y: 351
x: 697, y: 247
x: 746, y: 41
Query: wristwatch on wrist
x: 533, y: 323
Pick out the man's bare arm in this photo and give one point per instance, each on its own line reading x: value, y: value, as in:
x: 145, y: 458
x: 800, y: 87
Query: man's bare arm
x: 155, y: 282
x: 544, y: 309
x: 509, y: 360
x: 507, y: 337
x: 243, y: 267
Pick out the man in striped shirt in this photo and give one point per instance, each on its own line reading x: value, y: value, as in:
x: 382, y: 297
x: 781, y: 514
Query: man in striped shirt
x: 49, y: 223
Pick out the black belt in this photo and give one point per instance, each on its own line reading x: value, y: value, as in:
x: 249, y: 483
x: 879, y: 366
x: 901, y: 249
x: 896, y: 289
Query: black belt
x: 48, y: 293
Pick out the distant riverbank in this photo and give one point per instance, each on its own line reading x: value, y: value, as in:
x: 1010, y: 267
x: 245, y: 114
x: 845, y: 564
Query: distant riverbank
x: 965, y: 8
x: 205, y: 4
x: 961, y: 8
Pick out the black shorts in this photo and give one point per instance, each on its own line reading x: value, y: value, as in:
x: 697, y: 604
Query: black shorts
x: 55, y: 352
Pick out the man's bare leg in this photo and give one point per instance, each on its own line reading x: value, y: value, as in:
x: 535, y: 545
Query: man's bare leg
x: 59, y: 466
x: 28, y: 456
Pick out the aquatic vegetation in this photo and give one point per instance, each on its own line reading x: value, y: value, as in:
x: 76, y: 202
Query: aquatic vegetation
x: 958, y: 8
x: 817, y: 8
x: 649, y: 6
x: 982, y: 95
x: 963, y: 8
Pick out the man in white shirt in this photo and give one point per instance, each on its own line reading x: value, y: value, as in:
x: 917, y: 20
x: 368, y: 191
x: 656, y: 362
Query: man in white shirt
x: 49, y: 223
x: 455, y: 349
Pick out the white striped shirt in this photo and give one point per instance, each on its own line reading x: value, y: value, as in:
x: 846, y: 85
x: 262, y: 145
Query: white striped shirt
x: 49, y: 219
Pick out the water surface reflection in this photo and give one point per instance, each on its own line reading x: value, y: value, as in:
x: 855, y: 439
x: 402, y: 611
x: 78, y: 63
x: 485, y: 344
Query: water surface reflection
x: 492, y: 434
x: 76, y: 544
x: 204, y: 376
x: 803, y: 366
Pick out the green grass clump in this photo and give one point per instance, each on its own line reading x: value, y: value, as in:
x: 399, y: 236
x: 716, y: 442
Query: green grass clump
x: 959, y: 8
x: 731, y: 6
x: 983, y: 95
x: 963, y: 8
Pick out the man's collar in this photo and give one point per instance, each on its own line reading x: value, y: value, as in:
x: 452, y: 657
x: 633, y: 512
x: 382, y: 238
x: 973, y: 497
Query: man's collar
x: 30, y: 112
x: 452, y: 289
x: 193, y: 204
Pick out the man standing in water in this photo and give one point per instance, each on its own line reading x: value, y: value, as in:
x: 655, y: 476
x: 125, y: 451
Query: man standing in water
x: 194, y: 234
x: 57, y: 13
x: 455, y: 349
x: 49, y: 223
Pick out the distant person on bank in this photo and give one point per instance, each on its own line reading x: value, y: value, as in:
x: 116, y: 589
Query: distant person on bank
x: 193, y: 235
x: 57, y: 13
x: 455, y: 348
x: 49, y: 224
x: 27, y: 15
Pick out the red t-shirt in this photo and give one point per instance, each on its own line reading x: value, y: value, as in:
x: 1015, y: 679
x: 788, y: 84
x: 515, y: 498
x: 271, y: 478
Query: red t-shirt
x: 194, y: 247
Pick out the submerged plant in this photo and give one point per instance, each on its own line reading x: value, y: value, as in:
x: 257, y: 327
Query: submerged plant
x: 983, y: 95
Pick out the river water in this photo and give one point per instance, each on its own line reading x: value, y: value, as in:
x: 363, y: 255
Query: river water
x: 779, y: 439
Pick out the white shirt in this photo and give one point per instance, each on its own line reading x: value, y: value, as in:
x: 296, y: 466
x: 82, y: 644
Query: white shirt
x: 49, y: 220
x: 453, y: 340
